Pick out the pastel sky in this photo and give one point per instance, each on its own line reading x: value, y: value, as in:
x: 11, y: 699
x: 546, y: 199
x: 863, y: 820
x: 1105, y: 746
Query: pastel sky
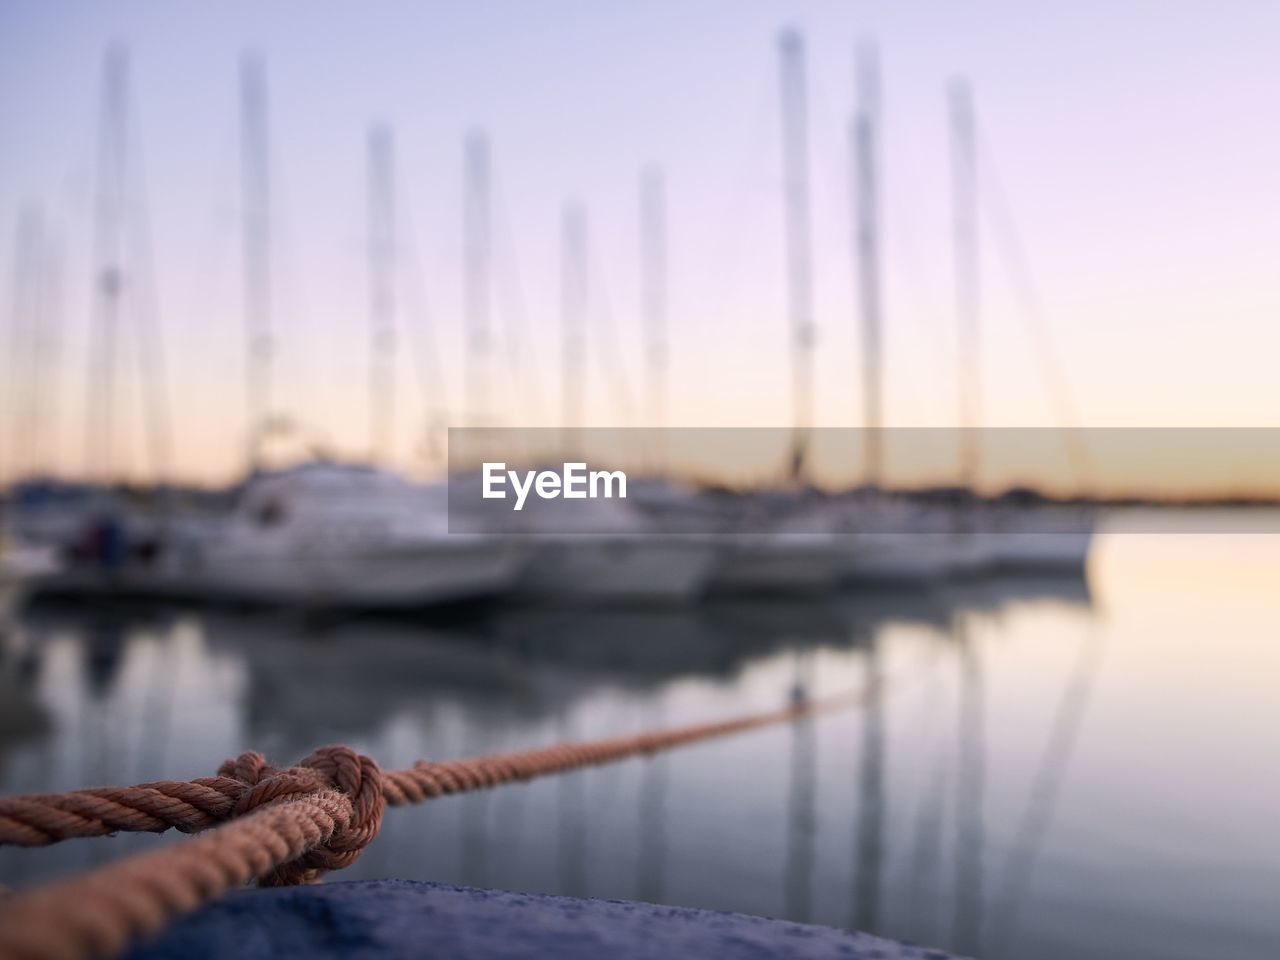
x: 1137, y: 145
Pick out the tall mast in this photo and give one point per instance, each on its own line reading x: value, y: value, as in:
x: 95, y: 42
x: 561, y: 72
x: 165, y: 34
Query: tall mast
x: 653, y: 265
x: 45, y: 373
x: 866, y: 155
x: 122, y: 288
x: 964, y: 185
x: 35, y: 317
x: 477, y: 230
x: 108, y: 281
x: 573, y: 303
x: 381, y: 251
x: 255, y: 200
x: 21, y: 378
x: 795, y: 164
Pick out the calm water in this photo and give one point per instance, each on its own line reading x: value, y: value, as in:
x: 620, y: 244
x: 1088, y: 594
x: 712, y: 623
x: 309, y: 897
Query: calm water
x: 1056, y: 770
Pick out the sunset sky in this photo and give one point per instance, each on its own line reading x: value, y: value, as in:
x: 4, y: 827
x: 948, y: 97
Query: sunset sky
x: 1136, y: 144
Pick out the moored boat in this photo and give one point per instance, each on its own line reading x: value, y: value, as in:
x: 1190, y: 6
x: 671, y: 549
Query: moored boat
x: 344, y: 535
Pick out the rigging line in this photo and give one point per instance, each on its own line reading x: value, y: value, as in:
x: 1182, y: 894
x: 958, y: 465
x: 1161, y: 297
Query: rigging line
x: 134, y: 235
x: 15, y: 336
x: 381, y: 255
x: 521, y: 351
x: 421, y: 319
x: 43, y: 318
x: 904, y: 282
x: 47, y: 366
x: 146, y: 314
x: 255, y: 249
x: 994, y: 199
x: 610, y: 348
x: 106, y: 271
x: 26, y: 350
x: 290, y: 297
x: 213, y: 303
x: 747, y: 181
x: 133, y: 267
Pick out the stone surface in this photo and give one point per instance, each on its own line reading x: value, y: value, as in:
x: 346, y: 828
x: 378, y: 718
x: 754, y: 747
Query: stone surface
x: 401, y: 918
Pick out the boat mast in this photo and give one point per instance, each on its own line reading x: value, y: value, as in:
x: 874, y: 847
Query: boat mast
x: 866, y: 154
x: 255, y: 194
x: 573, y: 305
x: 795, y: 164
x: 964, y: 185
x: 109, y: 269
x: 477, y: 232
x: 381, y: 252
x: 46, y: 362
x: 122, y: 277
x: 22, y: 377
x: 653, y: 262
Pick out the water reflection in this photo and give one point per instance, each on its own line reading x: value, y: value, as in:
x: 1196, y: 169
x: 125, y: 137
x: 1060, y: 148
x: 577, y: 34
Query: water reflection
x: 22, y: 716
x: 802, y: 816
x: 571, y: 815
x: 652, y: 841
x: 956, y: 810
x: 970, y: 782
x: 868, y: 856
x: 1038, y: 818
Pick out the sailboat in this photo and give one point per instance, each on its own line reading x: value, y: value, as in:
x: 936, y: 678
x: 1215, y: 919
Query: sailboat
x: 330, y: 534
x: 602, y: 551
x: 1035, y: 539
x: 616, y: 558
x: 325, y: 533
x: 794, y: 559
x: 904, y: 542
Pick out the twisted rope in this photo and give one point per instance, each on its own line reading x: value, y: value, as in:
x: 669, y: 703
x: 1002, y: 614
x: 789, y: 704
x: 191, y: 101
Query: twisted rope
x: 275, y: 826
x: 99, y: 913
x: 242, y: 785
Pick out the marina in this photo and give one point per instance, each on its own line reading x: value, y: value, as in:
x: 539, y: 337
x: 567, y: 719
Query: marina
x: 636, y: 482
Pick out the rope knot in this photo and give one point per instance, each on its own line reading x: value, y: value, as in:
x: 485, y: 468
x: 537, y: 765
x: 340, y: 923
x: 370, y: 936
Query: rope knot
x: 336, y: 769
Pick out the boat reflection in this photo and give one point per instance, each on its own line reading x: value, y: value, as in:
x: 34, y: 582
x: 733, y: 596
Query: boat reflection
x: 140, y: 692
x: 307, y: 683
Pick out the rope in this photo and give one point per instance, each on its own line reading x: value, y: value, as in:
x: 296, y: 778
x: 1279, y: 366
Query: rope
x: 275, y: 826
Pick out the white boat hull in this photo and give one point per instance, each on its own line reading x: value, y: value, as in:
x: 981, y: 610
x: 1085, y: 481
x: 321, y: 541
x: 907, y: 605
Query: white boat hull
x: 598, y: 569
x: 401, y: 577
x: 1038, y: 552
x: 893, y: 558
x: 779, y: 564
x: 914, y: 557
